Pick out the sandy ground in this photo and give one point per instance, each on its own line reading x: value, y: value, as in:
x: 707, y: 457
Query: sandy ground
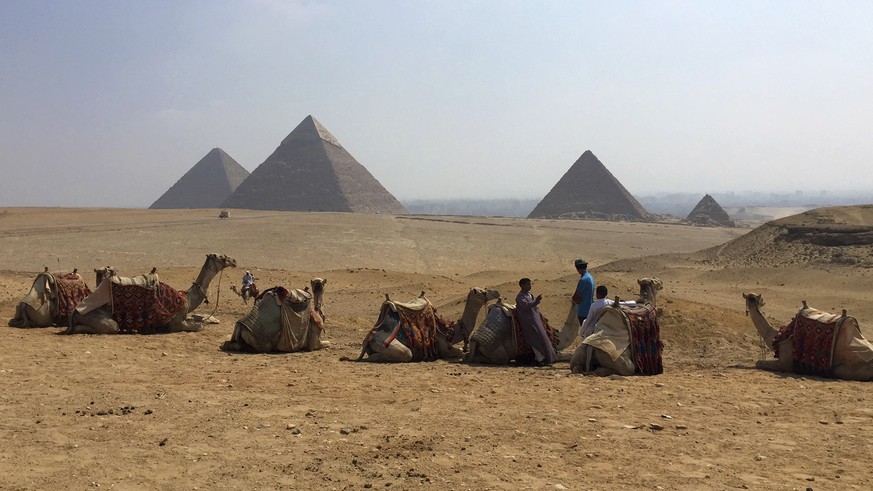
x: 171, y: 411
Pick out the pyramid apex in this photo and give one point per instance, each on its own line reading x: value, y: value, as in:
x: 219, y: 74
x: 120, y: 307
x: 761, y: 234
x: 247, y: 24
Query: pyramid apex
x: 311, y: 129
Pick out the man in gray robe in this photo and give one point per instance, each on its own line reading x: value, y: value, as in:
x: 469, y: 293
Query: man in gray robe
x: 531, y: 323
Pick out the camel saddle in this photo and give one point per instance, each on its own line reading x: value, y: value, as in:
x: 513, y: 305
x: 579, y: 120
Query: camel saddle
x: 522, y: 348
x: 813, y: 335
x: 143, y: 302
x: 417, y: 327
x: 284, y: 321
x: 635, y: 328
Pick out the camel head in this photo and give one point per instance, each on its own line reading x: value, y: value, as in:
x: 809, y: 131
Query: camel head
x: 318, y: 294
x: 483, y: 294
x: 476, y: 299
x: 221, y: 261
x: 103, y: 273
x: 753, y: 302
x: 649, y: 289
x: 317, y: 285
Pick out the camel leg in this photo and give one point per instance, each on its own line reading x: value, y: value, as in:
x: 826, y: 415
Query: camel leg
x: 96, y: 322
x: 607, y: 366
x: 579, y: 360
x: 447, y: 351
x: 861, y: 373
x: 472, y: 355
x: 185, y: 326
x: 776, y: 365
x: 395, y: 352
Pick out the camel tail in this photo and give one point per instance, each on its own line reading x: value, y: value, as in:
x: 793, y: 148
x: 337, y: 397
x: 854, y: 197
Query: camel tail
x: 360, y: 357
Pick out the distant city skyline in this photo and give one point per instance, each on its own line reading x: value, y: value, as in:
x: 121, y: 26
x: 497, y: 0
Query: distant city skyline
x: 110, y: 103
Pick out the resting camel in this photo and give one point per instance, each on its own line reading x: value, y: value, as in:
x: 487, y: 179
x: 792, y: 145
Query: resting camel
x: 413, y: 331
x: 843, y: 352
x: 495, y: 341
x: 282, y: 321
x: 170, y: 307
x: 610, y: 349
x: 52, y: 298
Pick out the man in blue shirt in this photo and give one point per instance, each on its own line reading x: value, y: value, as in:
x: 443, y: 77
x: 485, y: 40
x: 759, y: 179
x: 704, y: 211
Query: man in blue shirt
x: 583, y: 297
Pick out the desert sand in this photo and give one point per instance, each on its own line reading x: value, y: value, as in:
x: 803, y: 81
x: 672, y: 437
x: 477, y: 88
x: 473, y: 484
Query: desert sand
x: 172, y: 411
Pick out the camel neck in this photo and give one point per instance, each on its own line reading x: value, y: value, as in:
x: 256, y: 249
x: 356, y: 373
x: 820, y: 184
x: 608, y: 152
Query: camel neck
x: 198, y: 291
x: 765, y: 330
x: 471, y: 311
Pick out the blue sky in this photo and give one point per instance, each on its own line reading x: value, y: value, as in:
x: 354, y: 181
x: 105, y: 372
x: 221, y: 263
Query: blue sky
x: 108, y: 103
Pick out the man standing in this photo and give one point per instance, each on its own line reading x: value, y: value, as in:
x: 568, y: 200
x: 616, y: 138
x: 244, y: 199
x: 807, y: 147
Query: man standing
x: 583, y: 297
x: 531, y: 323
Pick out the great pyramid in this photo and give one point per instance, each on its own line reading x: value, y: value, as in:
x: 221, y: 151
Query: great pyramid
x: 709, y: 213
x: 206, y: 185
x: 311, y: 171
x: 588, y: 190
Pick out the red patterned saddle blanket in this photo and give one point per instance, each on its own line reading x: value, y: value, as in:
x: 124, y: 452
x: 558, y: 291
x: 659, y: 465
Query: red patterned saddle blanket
x: 137, y: 308
x: 71, y: 290
x: 522, y: 348
x: 645, y: 339
x: 812, y: 342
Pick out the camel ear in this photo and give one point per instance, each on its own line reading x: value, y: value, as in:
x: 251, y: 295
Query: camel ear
x: 324, y: 281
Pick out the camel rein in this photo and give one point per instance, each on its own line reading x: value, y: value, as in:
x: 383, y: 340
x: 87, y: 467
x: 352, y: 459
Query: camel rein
x: 217, y: 295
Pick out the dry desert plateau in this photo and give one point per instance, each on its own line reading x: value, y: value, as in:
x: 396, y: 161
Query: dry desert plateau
x: 172, y: 411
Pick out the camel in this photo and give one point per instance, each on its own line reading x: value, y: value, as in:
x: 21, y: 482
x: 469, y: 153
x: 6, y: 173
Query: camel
x: 846, y: 353
x: 610, y: 350
x: 389, y: 341
x: 246, y: 293
x: 282, y: 321
x: 90, y: 317
x: 52, y: 297
x: 494, y: 342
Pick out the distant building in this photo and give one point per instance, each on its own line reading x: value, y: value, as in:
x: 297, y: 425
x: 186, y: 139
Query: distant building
x: 206, y: 185
x: 588, y: 190
x: 311, y: 171
x: 709, y: 213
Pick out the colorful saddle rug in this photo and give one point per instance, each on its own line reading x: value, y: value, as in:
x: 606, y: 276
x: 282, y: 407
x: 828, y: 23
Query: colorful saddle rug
x: 136, y: 308
x: 417, y: 328
x: 523, y: 351
x: 645, y: 339
x: 812, y: 338
x: 71, y: 290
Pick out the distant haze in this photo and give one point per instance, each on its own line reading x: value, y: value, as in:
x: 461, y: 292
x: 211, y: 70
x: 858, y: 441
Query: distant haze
x: 677, y: 204
x: 110, y: 103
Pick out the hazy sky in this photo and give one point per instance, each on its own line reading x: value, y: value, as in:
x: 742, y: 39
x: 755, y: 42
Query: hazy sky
x: 108, y: 103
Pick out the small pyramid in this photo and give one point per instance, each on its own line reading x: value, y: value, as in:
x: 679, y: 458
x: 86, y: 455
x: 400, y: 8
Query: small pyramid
x: 311, y: 171
x: 588, y: 190
x: 206, y: 185
x: 709, y: 213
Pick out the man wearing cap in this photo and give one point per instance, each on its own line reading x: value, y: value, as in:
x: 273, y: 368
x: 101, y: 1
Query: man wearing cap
x: 583, y: 297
